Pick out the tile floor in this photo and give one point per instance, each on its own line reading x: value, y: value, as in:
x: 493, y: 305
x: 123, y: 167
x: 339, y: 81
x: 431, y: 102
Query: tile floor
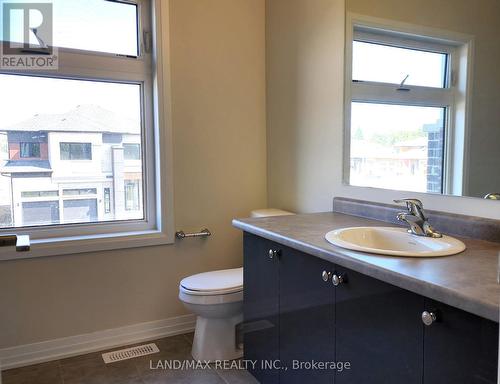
x: 90, y: 369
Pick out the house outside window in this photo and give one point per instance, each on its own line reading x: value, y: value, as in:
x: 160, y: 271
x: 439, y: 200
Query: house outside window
x: 29, y: 150
x: 76, y: 151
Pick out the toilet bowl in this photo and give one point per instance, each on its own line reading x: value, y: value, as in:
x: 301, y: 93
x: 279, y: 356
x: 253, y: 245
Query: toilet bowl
x: 216, y: 298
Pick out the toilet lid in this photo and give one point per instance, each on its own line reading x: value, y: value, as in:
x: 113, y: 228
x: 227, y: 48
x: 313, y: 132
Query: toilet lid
x: 224, y: 281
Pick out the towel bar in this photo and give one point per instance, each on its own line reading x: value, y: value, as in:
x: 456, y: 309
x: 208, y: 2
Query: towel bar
x: 203, y: 233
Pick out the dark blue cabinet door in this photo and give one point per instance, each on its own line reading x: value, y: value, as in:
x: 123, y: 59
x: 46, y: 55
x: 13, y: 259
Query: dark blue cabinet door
x: 459, y: 347
x: 378, y: 331
x: 261, y: 307
x: 306, y: 318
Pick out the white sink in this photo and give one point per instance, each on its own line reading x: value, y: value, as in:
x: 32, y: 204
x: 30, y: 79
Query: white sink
x: 394, y: 242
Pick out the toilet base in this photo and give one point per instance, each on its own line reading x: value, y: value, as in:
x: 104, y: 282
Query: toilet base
x: 215, y: 339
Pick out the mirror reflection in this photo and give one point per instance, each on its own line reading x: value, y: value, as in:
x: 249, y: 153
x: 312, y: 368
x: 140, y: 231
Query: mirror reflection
x: 423, y: 96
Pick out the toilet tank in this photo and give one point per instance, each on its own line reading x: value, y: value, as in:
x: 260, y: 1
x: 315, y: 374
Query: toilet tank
x: 269, y: 212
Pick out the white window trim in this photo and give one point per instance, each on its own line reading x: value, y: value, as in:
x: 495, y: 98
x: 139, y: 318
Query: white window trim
x: 457, y: 97
x: 158, y: 229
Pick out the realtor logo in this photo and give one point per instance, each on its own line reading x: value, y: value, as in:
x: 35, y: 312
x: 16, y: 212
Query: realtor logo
x: 27, y: 37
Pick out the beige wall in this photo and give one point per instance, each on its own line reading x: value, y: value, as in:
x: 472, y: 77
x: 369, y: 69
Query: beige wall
x: 304, y: 56
x: 218, y: 97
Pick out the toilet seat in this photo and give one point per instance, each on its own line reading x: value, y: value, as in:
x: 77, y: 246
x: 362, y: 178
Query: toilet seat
x: 213, y: 283
x: 193, y: 297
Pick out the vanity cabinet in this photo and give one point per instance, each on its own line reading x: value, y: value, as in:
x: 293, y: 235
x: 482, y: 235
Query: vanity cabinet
x: 459, y: 347
x: 307, y: 317
x: 261, y: 307
x: 292, y: 314
x: 379, y: 331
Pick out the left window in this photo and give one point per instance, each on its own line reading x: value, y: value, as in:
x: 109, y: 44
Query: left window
x: 67, y: 133
x: 29, y: 150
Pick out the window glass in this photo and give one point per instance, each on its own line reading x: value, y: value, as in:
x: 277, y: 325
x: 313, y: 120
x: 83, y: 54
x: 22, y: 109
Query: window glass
x: 397, y: 147
x: 39, y: 213
x: 387, y: 64
x: 29, y: 194
x: 80, y: 211
x: 76, y: 130
x: 76, y: 151
x: 107, y: 200
x: 84, y: 191
x: 132, y: 198
x: 92, y: 25
x: 29, y: 149
x: 132, y: 151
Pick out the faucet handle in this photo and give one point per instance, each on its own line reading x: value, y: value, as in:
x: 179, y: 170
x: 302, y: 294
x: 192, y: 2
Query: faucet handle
x: 410, y: 203
x: 414, y: 206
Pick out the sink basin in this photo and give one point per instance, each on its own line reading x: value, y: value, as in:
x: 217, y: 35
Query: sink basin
x: 393, y: 242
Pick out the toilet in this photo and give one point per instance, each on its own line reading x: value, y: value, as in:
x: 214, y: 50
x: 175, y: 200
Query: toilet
x: 216, y: 298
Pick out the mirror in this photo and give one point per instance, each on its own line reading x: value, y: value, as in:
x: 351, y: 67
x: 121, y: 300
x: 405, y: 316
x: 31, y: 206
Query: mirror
x: 422, y: 96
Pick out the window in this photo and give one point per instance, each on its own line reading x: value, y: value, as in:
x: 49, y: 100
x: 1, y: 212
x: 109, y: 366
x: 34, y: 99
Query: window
x: 76, y: 151
x: 104, y: 93
x: 80, y: 210
x: 132, y: 151
x: 107, y: 200
x: 29, y: 150
x: 132, y: 198
x: 76, y: 192
x: 397, y: 147
x: 35, y: 194
x: 401, y: 111
x: 390, y: 64
x: 92, y: 25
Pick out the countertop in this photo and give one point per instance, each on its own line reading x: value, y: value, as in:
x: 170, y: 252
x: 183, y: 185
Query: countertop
x: 467, y: 281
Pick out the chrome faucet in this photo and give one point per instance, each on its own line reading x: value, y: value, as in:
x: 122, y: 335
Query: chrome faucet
x: 416, y: 219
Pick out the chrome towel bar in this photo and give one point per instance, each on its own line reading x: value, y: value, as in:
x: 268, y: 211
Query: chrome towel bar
x: 203, y: 233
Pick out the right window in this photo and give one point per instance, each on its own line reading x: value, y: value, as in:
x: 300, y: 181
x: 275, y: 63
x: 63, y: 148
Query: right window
x: 401, y: 111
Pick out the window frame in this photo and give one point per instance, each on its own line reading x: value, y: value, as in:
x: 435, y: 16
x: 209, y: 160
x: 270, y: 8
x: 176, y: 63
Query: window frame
x: 454, y: 96
x: 147, y: 70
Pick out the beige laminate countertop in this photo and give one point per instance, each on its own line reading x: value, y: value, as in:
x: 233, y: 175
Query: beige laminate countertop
x: 467, y: 281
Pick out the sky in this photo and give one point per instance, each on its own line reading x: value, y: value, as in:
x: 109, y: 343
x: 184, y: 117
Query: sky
x: 95, y: 25
x: 387, y: 118
x: 375, y: 62
x: 21, y: 97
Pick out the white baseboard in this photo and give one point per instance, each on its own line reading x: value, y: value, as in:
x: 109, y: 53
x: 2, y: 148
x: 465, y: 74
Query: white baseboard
x: 29, y: 354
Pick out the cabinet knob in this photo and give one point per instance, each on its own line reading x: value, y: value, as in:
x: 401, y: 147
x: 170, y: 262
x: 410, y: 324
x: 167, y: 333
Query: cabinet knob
x: 338, y: 279
x: 273, y: 254
x: 326, y: 276
x: 428, y: 317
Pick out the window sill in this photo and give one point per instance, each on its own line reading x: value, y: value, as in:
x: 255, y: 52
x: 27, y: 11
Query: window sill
x: 83, y: 244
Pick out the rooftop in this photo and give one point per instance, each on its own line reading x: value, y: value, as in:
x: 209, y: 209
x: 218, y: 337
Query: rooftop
x: 26, y: 166
x: 84, y: 118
